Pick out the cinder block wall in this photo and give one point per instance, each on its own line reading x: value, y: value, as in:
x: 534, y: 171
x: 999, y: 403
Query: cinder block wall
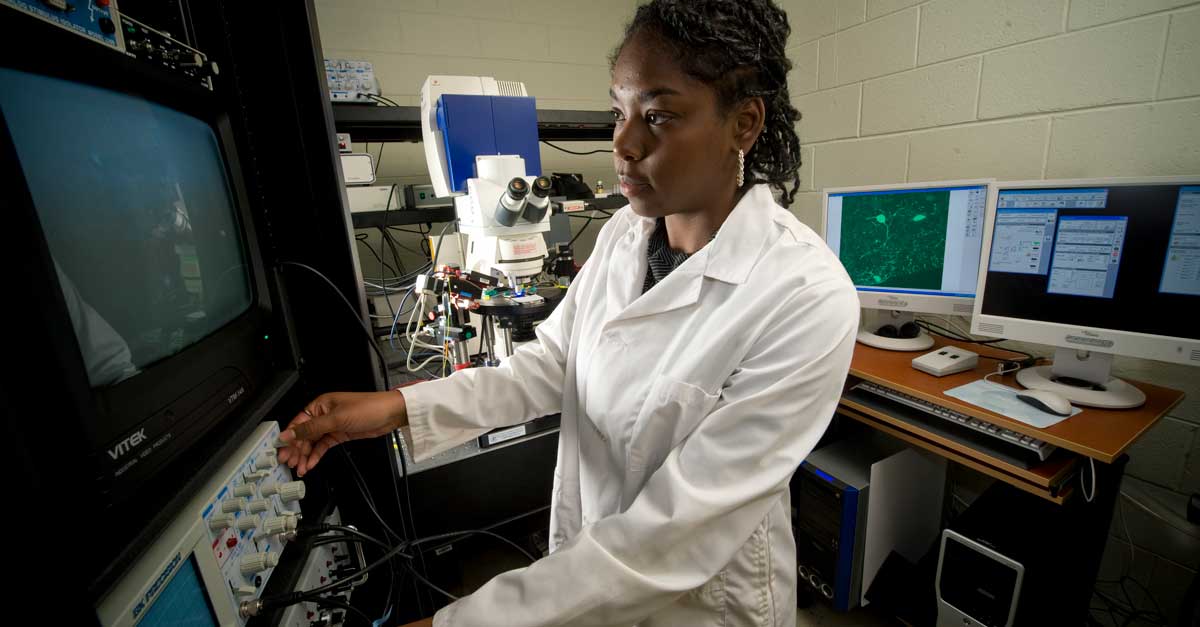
x: 905, y: 90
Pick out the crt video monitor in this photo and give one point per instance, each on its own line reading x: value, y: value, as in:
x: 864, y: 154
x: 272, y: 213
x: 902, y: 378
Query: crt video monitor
x: 1096, y: 268
x: 909, y: 248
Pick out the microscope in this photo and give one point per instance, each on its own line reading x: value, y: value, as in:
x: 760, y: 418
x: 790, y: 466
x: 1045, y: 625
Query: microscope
x: 481, y: 147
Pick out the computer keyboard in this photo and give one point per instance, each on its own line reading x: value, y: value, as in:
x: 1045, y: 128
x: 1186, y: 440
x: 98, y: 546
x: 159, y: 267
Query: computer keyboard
x: 1022, y: 450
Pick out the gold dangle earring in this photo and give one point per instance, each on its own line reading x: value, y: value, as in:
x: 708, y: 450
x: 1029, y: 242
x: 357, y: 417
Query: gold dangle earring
x: 741, y: 173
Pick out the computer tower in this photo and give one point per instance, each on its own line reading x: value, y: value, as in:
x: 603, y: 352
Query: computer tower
x: 855, y: 501
x: 976, y: 585
x: 1012, y: 559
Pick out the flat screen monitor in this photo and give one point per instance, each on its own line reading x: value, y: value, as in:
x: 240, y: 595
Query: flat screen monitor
x: 909, y: 248
x: 1096, y: 268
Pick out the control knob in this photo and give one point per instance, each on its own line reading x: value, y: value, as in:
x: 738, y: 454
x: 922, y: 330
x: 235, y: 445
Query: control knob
x: 275, y: 525
x: 265, y: 460
x: 258, y: 562
x: 291, y: 491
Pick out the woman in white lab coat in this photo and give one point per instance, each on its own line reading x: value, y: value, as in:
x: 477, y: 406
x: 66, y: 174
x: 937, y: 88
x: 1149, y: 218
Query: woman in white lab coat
x: 696, y: 361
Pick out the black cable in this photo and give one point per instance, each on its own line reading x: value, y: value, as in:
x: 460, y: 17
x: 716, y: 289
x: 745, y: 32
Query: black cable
x: 429, y: 583
x: 407, y: 248
x: 384, y: 267
x: 461, y: 535
x: 408, y: 492
x: 404, y: 230
x: 387, y: 299
x: 395, y: 449
x: 354, y: 312
x: 380, y: 99
x: 438, y: 252
x: 1127, y: 609
x: 354, y: 532
x: 607, y: 215
x: 954, y: 335
x: 581, y: 230
x: 387, y: 238
x: 323, y: 540
x: 360, y: 482
x: 291, y: 598
x: 572, y: 152
x: 380, y: 158
x: 345, y: 606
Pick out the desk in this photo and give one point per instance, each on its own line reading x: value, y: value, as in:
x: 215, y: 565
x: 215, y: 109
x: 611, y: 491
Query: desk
x: 1101, y: 434
x: 1095, y: 439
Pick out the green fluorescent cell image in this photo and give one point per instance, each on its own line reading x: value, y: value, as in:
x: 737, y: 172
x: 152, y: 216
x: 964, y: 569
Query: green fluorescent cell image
x: 895, y: 240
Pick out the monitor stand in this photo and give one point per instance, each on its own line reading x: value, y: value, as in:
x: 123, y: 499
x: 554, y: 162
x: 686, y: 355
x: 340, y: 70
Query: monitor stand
x: 1084, y: 378
x: 873, y: 319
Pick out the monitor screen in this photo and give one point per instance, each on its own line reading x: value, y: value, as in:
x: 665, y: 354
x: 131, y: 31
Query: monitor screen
x: 182, y: 602
x: 138, y: 214
x: 909, y: 241
x: 1119, y: 257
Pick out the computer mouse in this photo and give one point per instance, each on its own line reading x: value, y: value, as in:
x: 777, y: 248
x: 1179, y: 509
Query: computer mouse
x: 1046, y: 401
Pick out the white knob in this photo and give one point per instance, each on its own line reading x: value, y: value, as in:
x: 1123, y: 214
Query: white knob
x: 259, y: 505
x: 247, y: 590
x: 271, y: 489
x: 258, y: 562
x: 233, y: 505
x: 265, y: 460
x: 246, y: 523
x: 291, y: 491
x: 274, y: 525
x: 257, y: 474
x: 292, y: 522
x: 244, y: 490
x: 220, y: 521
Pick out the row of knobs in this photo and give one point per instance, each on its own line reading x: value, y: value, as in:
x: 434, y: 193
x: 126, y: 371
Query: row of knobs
x: 288, y: 492
x: 243, y: 500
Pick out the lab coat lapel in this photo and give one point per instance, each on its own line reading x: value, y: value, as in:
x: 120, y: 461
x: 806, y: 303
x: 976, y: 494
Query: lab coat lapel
x: 730, y: 257
x: 679, y: 289
x: 627, y: 267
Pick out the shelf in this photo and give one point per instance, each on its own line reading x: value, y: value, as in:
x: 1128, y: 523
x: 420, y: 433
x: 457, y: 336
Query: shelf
x: 401, y: 217
x: 367, y: 123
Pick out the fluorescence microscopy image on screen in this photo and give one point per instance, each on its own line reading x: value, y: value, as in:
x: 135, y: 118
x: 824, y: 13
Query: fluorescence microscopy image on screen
x: 895, y: 240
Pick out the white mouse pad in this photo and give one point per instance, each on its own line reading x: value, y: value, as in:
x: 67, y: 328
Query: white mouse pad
x: 1003, y: 400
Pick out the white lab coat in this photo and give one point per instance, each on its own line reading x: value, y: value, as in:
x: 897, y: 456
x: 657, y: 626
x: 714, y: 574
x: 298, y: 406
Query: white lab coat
x: 685, y: 411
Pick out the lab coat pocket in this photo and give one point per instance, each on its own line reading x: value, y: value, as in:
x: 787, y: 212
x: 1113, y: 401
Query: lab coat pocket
x: 671, y: 411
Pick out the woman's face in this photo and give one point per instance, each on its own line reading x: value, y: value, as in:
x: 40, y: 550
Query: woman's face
x: 673, y: 150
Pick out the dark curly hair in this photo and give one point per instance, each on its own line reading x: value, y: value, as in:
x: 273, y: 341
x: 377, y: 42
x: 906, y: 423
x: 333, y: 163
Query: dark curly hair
x: 739, y: 48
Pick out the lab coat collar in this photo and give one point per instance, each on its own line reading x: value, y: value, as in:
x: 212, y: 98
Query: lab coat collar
x: 729, y: 257
x: 734, y: 251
